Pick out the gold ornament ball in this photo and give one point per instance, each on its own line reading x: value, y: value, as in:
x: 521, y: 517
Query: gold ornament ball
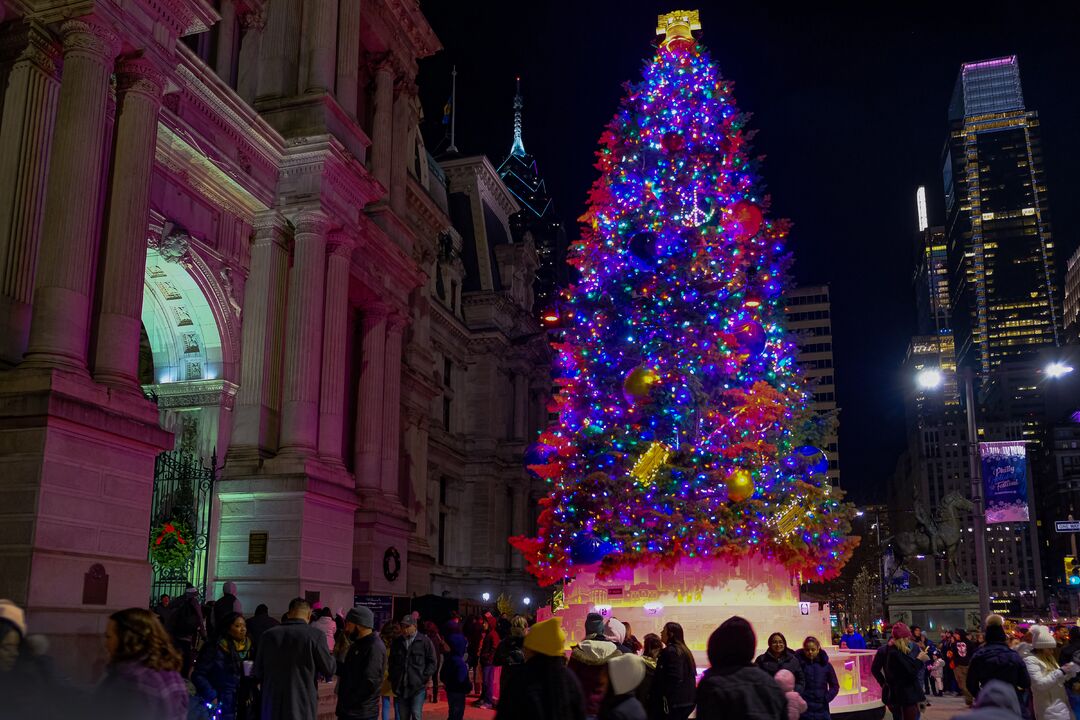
x: 740, y: 485
x: 639, y: 382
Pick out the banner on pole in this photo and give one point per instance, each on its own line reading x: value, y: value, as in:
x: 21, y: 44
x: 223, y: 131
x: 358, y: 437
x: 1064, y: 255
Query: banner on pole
x: 1004, y: 476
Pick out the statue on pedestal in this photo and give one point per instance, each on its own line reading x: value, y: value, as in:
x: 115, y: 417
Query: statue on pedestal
x: 935, y: 534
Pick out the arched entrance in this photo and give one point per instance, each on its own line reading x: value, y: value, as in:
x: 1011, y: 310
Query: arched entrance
x: 184, y: 363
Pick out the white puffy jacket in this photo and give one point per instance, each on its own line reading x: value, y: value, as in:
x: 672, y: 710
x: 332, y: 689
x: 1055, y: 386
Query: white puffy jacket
x: 1048, y: 690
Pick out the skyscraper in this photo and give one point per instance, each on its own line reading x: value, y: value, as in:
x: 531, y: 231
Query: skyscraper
x: 1003, y: 285
x: 935, y: 345
x: 809, y: 316
x: 521, y: 176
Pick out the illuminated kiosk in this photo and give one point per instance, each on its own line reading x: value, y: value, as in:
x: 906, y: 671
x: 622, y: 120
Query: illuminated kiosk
x: 701, y: 594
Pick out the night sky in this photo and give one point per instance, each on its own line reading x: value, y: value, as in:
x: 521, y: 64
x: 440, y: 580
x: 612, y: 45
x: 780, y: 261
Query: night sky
x: 851, y: 114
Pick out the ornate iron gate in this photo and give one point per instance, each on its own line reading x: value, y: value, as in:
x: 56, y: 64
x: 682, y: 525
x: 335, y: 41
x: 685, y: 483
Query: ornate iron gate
x: 182, y: 501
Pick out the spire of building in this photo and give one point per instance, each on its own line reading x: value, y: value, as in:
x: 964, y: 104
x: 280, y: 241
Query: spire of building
x: 518, y: 148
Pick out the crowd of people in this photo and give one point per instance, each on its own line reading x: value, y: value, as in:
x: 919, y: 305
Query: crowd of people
x: 186, y: 661
x: 1004, y: 671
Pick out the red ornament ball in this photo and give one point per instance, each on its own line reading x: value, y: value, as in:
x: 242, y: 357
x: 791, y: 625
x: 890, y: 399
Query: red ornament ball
x: 748, y: 218
x: 673, y: 141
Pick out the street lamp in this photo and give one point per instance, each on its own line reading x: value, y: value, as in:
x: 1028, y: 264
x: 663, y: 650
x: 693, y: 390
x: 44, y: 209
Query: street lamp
x: 485, y: 597
x: 527, y: 600
x: 1057, y: 370
x: 932, y: 378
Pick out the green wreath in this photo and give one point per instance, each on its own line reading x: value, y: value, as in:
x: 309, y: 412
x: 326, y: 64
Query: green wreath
x: 171, y: 545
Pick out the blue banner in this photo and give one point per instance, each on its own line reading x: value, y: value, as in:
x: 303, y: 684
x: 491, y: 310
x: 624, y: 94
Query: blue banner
x: 1004, y: 475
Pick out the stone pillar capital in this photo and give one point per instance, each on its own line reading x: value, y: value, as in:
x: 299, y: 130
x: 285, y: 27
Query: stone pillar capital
x: 140, y: 76
x: 340, y: 244
x: 396, y: 322
x: 308, y: 222
x: 270, y: 225
x: 373, y: 314
x: 89, y: 36
x: 383, y: 64
x: 31, y: 42
x: 253, y: 20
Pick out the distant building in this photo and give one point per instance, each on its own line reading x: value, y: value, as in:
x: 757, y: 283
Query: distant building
x: 809, y: 317
x: 1072, y: 298
x: 522, y: 178
x: 1000, y: 249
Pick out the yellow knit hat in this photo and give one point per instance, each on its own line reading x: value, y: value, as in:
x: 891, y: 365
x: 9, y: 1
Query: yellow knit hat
x: 547, y: 638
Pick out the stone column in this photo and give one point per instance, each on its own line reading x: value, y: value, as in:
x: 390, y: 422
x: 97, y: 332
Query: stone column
x: 382, y: 128
x: 348, y: 56
x: 226, y: 42
x: 59, y: 329
x: 258, y: 401
x: 252, y: 24
x: 391, y: 425
x: 319, y: 45
x: 369, y: 406
x: 116, y: 352
x: 303, y: 328
x: 335, y: 328
x: 26, y: 128
x: 405, y: 117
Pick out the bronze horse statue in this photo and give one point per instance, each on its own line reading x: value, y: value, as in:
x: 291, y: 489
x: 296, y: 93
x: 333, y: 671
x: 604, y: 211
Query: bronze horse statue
x: 935, y: 535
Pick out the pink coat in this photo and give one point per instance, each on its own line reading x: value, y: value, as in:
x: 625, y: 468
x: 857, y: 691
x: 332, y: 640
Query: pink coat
x: 796, y: 706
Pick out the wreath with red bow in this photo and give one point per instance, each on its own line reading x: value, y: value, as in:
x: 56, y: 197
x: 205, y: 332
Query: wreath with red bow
x: 171, y: 545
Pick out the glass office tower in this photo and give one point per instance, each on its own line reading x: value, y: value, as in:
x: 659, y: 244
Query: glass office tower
x: 1000, y: 251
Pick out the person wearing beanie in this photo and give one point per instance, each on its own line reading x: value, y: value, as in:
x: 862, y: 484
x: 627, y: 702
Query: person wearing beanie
x: 672, y: 694
x: 594, y: 626
x: 361, y: 669
x: 626, y: 672
x: 227, y: 604
x: 1048, y: 678
x: 904, y: 663
x: 996, y: 701
x: 615, y: 632
x: 545, y: 689
x: 997, y: 661
x: 733, y: 687
x: 820, y: 685
x: 796, y: 706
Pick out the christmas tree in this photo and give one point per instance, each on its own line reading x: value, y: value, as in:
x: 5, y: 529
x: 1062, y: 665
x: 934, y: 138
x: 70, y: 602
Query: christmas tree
x: 684, y: 428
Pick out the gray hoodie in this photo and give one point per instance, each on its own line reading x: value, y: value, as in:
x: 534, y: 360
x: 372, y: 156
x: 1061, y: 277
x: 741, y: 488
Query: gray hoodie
x: 997, y: 701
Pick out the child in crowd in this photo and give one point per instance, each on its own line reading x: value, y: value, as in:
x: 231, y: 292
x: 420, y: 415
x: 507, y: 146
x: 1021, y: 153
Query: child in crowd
x: 937, y: 673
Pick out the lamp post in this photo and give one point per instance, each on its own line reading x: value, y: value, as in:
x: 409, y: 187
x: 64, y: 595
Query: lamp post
x: 932, y: 378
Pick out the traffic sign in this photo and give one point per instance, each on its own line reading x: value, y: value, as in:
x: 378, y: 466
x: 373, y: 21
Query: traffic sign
x: 1067, y: 526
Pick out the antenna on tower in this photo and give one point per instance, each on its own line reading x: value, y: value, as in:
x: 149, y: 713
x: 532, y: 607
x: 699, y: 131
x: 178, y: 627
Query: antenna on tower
x: 518, y: 148
x: 453, y: 109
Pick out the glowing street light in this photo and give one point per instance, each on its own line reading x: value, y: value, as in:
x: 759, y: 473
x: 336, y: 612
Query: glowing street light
x: 929, y: 378
x: 527, y: 600
x: 485, y: 597
x: 1057, y: 370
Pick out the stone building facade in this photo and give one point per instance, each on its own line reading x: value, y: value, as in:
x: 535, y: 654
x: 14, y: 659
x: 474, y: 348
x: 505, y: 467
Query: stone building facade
x: 220, y: 231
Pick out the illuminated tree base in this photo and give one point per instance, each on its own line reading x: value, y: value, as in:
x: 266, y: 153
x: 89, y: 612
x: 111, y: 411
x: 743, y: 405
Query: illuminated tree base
x: 701, y: 594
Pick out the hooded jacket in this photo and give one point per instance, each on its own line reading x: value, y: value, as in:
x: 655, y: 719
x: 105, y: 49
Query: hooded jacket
x: 359, y: 690
x: 588, y: 661
x: 455, y: 671
x: 544, y: 690
x: 747, y: 693
x: 996, y: 701
x: 787, y: 661
x: 820, y: 685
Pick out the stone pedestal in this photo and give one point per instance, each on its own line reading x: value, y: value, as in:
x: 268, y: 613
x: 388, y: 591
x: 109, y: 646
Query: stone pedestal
x: 946, y: 606
x: 307, y: 510
x: 78, y: 465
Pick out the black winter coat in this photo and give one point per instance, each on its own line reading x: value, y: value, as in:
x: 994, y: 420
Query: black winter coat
x: 673, y: 681
x: 747, y: 693
x: 544, y: 690
x: 902, y: 677
x: 218, y: 676
x: 411, y: 666
x: 361, y: 672
x: 996, y: 661
x: 820, y: 685
x: 787, y: 661
x: 288, y: 659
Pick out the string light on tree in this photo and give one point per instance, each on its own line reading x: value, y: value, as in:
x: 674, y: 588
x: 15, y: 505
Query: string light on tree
x: 684, y: 426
